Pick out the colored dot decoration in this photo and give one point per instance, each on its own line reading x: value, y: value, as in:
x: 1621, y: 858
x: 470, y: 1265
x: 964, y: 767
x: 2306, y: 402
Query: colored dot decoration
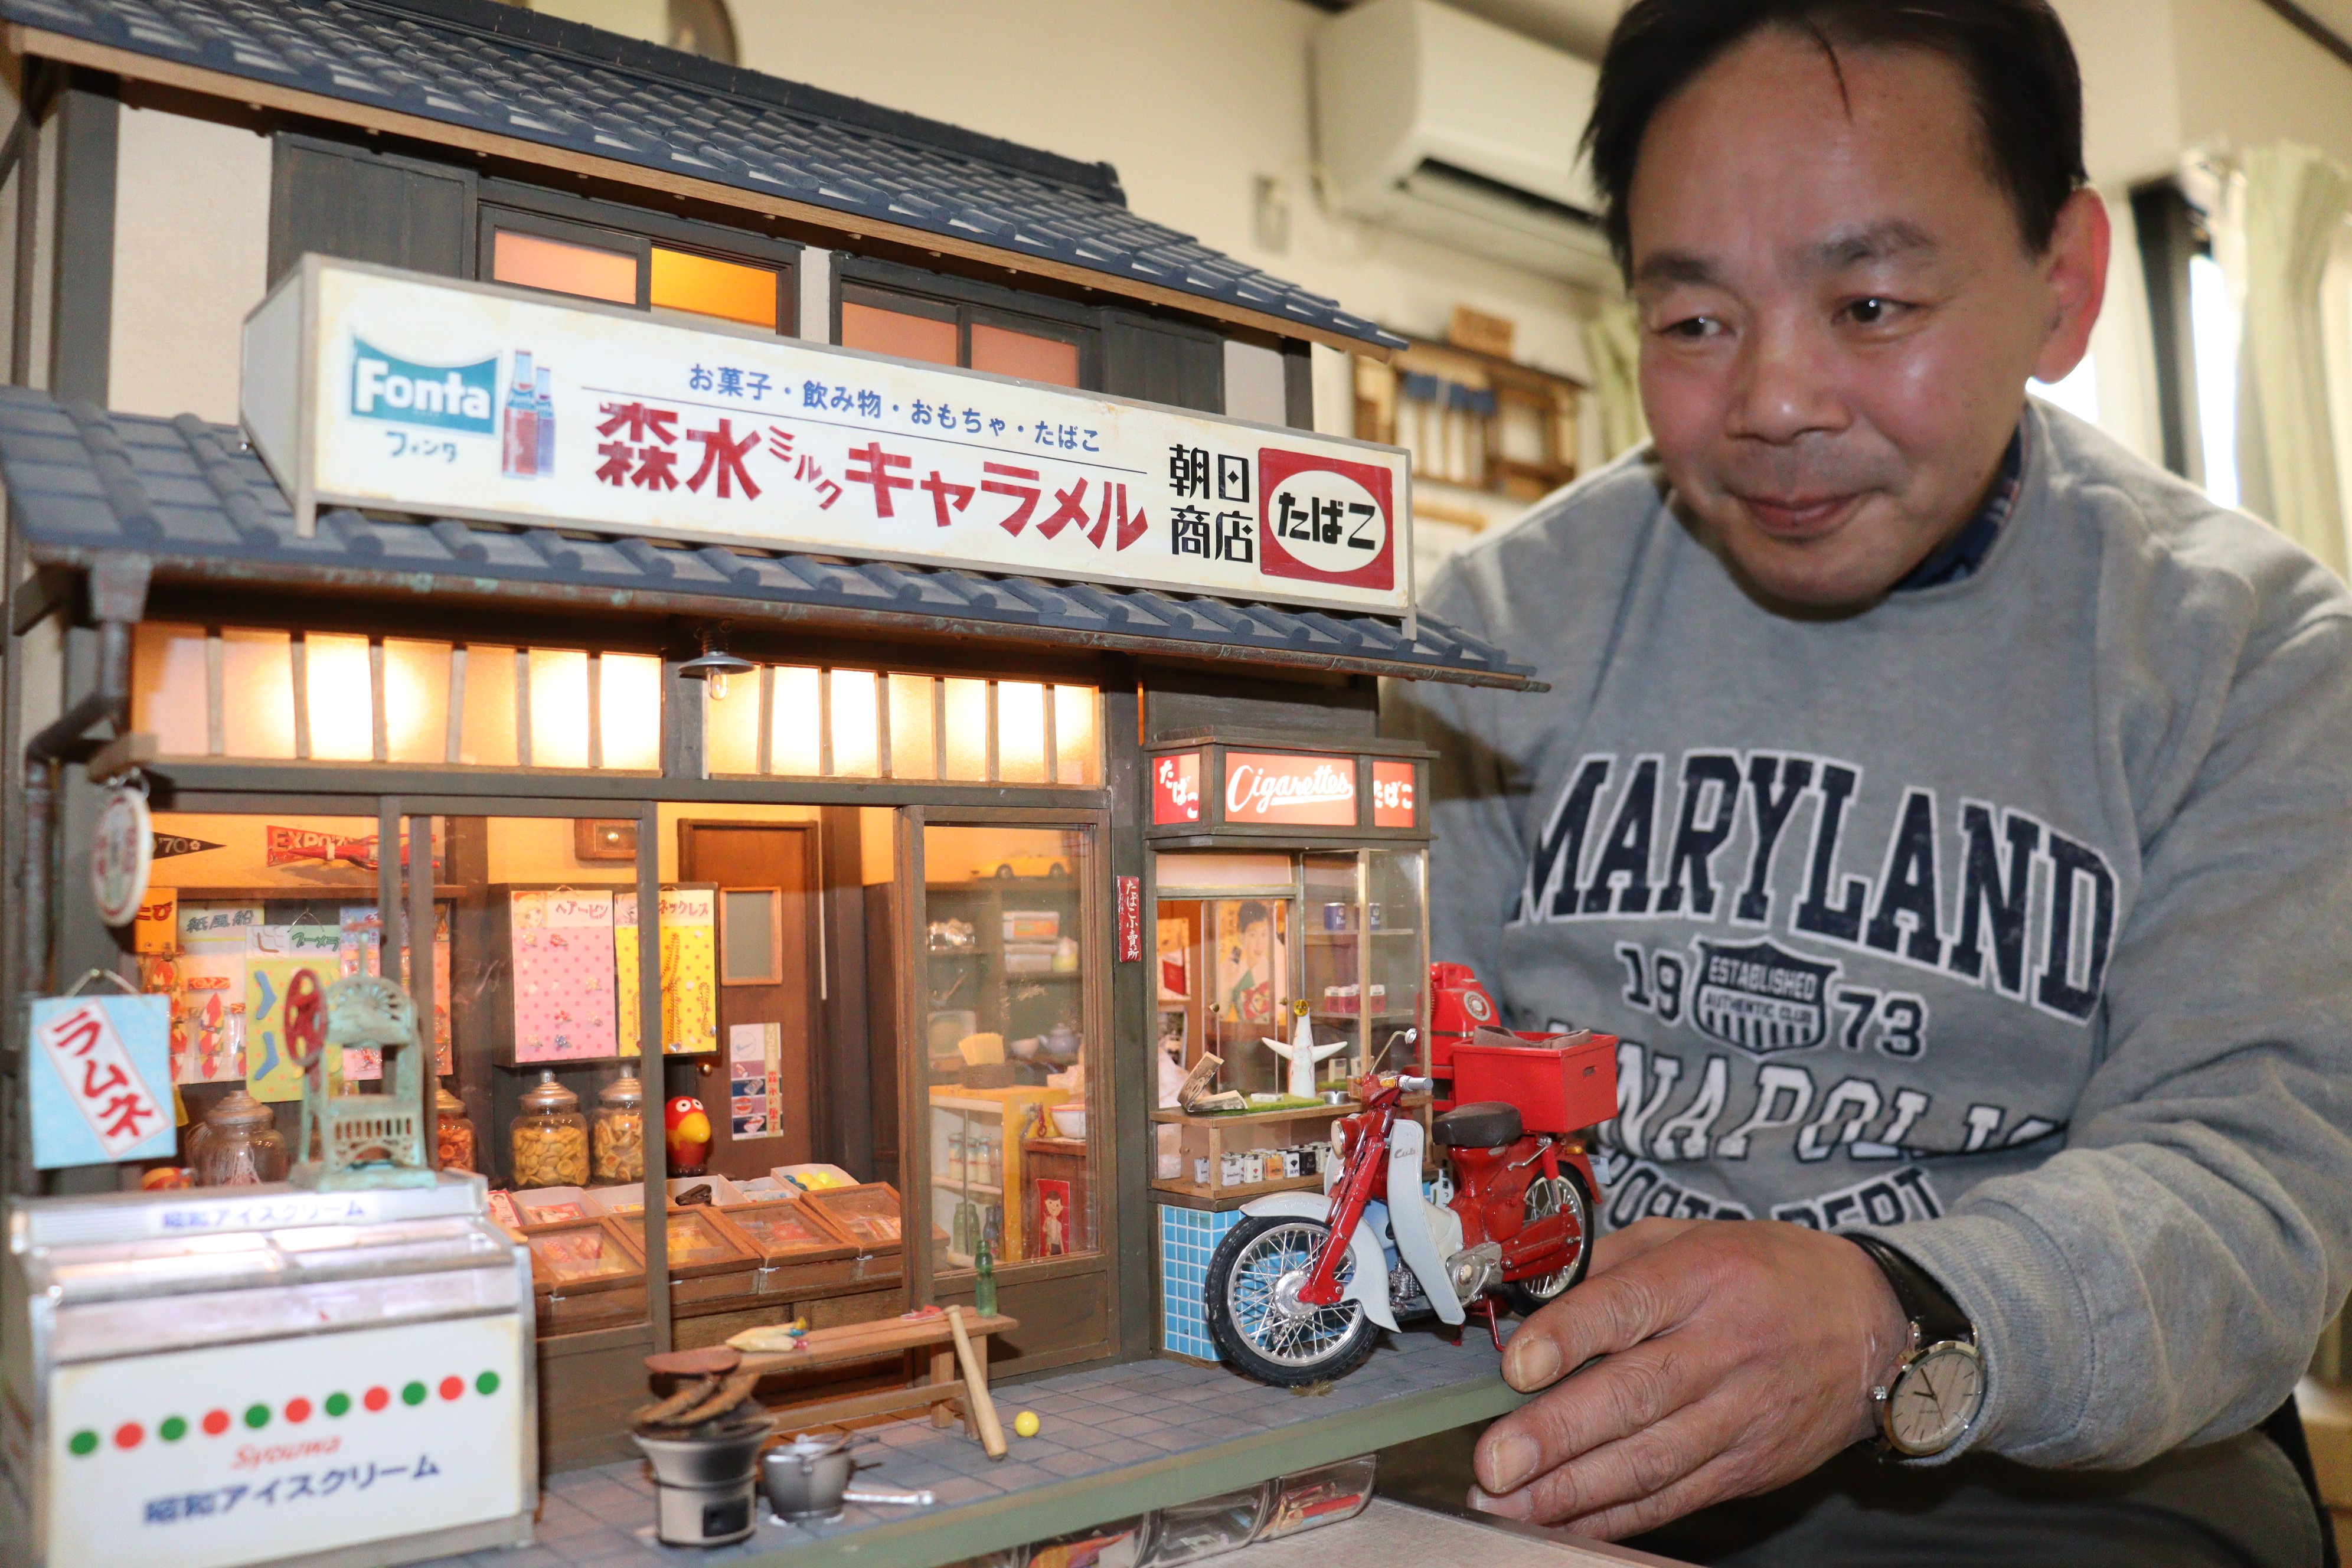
x: 130, y: 1434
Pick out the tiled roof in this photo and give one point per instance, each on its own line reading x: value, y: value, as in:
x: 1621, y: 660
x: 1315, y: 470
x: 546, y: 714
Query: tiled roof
x: 508, y: 71
x: 194, y: 499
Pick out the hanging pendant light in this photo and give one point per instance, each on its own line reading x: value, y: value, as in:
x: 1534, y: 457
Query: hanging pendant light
x: 716, y: 665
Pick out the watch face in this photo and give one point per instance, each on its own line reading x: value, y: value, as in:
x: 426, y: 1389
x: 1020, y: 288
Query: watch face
x: 1935, y: 1398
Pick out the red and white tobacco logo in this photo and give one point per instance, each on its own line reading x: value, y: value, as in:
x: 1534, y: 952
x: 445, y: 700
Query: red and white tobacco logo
x: 1325, y: 520
x: 1272, y: 786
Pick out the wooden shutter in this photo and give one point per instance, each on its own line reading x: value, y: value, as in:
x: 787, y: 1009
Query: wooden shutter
x: 1163, y: 362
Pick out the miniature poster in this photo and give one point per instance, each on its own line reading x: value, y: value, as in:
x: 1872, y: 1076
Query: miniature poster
x: 360, y: 951
x: 1051, y: 1221
x: 755, y: 1065
x: 101, y: 1079
x: 279, y: 954
x: 441, y: 971
x: 155, y: 930
x: 689, y: 961
x: 1174, y: 944
x: 1250, y: 961
x: 564, y: 994
x: 208, y: 992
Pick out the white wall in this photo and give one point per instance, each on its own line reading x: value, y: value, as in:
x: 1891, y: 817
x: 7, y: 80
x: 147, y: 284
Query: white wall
x: 1191, y: 101
x: 191, y: 258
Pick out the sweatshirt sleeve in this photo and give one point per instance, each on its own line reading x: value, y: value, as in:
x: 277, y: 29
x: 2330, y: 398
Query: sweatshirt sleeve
x: 1476, y: 796
x: 2162, y: 1278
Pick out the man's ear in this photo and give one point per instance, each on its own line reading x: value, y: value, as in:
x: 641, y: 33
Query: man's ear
x: 2075, y: 271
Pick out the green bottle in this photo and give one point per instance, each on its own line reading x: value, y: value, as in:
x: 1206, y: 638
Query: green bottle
x: 983, y: 1289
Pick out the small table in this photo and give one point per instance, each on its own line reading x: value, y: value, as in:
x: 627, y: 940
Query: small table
x: 850, y: 1342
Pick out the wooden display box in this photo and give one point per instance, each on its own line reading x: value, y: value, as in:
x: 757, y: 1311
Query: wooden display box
x: 586, y: 1274
x: 800, y: 1250
x: 867, y: 1215
x: 710, y: 1261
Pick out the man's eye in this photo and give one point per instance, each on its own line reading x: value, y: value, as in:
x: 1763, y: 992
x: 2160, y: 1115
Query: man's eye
x: 1694, y: 329
x: 1872, y: 311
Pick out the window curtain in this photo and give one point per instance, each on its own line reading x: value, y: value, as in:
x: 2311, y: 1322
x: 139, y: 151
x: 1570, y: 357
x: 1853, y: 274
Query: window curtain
x: 1613, y: 345
x: 2293, y: 207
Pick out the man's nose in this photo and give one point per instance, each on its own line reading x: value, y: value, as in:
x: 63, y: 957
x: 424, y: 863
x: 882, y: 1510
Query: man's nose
x: 1787, y: 387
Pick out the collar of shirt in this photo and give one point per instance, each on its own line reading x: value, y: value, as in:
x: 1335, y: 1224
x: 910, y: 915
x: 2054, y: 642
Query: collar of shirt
x: 1967, y: 549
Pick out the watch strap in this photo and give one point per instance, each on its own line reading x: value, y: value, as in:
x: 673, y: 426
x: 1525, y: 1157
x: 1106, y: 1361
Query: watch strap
x: 1923, y: 1301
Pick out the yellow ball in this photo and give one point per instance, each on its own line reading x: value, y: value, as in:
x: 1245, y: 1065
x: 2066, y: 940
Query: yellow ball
x: 1026, y: 1424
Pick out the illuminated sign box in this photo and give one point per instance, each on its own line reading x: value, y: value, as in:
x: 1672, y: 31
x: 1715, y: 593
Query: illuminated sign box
x: 1208, y: 786
x: 370, y: 387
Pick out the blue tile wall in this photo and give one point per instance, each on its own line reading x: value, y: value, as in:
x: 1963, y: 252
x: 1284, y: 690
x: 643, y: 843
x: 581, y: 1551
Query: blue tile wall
x: 1187, y: 1238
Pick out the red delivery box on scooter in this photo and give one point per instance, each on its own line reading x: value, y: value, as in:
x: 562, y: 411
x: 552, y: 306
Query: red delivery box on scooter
x: 1561, y: 1083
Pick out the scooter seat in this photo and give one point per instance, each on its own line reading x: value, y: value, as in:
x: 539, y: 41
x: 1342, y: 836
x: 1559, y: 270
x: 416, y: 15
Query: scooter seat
x: 1489, y: 1124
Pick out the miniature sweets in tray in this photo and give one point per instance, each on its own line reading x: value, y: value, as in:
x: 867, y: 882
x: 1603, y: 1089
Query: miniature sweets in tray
x: 1512, y: 1221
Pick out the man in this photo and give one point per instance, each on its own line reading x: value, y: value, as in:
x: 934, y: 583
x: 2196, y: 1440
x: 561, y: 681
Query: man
x: 1949, y: 811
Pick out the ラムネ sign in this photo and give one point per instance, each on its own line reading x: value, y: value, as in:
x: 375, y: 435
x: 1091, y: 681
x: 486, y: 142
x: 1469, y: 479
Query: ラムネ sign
x: 1283, y: 787
x: 372, y: 387
x: 101, y: 1079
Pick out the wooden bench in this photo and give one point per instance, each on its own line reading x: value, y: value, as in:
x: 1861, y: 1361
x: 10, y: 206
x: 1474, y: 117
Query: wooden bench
x: 943, y: 1396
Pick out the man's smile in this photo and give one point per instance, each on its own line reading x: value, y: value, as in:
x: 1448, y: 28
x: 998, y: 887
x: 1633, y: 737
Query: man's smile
x: 1795, y: 519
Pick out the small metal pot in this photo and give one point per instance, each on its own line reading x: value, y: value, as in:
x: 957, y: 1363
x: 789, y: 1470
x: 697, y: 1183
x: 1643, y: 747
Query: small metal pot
x: 804, y: 1479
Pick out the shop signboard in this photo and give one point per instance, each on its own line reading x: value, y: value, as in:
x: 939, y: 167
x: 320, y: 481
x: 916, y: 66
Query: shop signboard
x: 372, y: 387
x: 101, y: 1079
x: 280, y: 1448
x: 1393, y: 803
x: 1290, y: 789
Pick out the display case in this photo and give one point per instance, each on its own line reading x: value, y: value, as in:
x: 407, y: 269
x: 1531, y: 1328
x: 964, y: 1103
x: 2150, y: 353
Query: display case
x: 710, y: 1261
x: 585, y: 1273
x: 799, y: 1249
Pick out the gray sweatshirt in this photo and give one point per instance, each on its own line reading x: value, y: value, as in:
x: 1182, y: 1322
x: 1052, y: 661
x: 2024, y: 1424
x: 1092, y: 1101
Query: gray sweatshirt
x: 2007, y: 920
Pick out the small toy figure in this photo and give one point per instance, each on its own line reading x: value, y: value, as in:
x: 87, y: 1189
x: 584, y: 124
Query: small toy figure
x: 686, y: 1129
x: 1303, y: 1053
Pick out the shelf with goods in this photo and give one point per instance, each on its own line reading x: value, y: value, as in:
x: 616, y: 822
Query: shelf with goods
x: 1002, y: 964
x: 1212, y: 1137
x: 977, y: 1133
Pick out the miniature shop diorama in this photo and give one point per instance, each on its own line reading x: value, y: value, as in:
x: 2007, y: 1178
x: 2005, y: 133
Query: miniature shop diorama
x: 725, y: 789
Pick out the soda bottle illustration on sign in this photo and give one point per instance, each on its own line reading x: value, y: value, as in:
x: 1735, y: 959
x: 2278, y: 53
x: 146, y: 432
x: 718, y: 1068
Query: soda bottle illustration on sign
x: 545, y: 419
x: 521, y: 434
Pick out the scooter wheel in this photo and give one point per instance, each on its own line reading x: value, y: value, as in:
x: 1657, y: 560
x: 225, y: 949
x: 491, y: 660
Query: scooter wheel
x: 1251, y: 1301
x: 1545, y: 1198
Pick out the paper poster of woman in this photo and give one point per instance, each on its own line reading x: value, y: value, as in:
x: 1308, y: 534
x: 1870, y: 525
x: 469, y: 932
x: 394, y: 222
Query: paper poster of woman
x: 1250, y: 961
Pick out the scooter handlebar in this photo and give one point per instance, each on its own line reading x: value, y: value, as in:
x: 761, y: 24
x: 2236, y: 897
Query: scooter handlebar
x: 1411, y: 1085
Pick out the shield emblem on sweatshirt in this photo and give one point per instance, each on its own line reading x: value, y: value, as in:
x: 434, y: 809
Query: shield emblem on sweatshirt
x: 1761, y: 997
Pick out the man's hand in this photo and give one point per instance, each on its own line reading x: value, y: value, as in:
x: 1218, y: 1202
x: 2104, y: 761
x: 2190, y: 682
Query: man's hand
x: 1727, y: 1358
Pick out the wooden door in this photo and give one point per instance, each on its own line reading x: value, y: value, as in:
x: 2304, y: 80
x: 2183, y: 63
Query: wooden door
x: 768, y: 975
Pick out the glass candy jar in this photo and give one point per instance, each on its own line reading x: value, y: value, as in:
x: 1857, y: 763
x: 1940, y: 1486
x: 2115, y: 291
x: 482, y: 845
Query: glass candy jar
x: 617, y: 1140
x: 239, y: 1144
x: 551, y: 1137
x: 453, y: 1132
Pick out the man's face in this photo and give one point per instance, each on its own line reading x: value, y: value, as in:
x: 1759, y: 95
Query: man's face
x: 1839, y: 311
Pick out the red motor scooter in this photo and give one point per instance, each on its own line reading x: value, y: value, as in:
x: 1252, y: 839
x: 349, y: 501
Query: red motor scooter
x: 1295, y: 1291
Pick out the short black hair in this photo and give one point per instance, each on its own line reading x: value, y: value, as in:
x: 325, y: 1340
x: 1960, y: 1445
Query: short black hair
x: 1253, y: 913
x: 2019, y: 67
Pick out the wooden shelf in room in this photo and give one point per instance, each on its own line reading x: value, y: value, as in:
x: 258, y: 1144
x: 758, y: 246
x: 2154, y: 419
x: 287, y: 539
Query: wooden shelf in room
x: 356, y: 893
x: 1255, y: 1118
x: 1239, y: 1193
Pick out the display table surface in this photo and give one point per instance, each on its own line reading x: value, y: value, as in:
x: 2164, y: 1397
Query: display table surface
x: 1392, y: 1534
x: 1116, y: 1442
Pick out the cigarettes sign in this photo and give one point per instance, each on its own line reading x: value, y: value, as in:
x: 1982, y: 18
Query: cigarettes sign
x: 370, y: 387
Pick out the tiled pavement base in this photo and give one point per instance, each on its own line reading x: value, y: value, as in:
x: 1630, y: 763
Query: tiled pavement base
x: 1135, y: 1423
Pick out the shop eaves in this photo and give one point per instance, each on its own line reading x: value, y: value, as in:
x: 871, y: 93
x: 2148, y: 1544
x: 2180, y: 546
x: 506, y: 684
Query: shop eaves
x: 499, y: 79
x: 194, y: 499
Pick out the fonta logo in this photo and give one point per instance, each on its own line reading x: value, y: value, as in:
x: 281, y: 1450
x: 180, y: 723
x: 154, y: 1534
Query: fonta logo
x: 444, y: 397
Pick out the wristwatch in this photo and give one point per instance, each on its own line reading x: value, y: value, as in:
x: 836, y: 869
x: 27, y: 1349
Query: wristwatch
x: 1937, y: 1390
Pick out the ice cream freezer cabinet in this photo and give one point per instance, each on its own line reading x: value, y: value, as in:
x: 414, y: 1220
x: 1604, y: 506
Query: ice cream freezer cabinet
x: 266, y: 1374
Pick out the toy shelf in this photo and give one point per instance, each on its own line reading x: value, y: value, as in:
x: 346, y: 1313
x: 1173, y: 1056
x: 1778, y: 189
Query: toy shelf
x: 1249, y: 1118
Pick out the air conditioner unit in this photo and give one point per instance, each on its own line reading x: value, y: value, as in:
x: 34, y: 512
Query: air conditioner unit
x: 1435, y: 121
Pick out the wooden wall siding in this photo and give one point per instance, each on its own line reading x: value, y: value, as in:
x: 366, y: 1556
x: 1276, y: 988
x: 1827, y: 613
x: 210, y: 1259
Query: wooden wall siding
x: 588, y: 1384
x: 1163, y: 362
x: 364, y: 206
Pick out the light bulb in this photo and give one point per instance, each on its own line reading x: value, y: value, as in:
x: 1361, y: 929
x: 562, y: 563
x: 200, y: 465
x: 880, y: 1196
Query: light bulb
x: 718, y: 686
